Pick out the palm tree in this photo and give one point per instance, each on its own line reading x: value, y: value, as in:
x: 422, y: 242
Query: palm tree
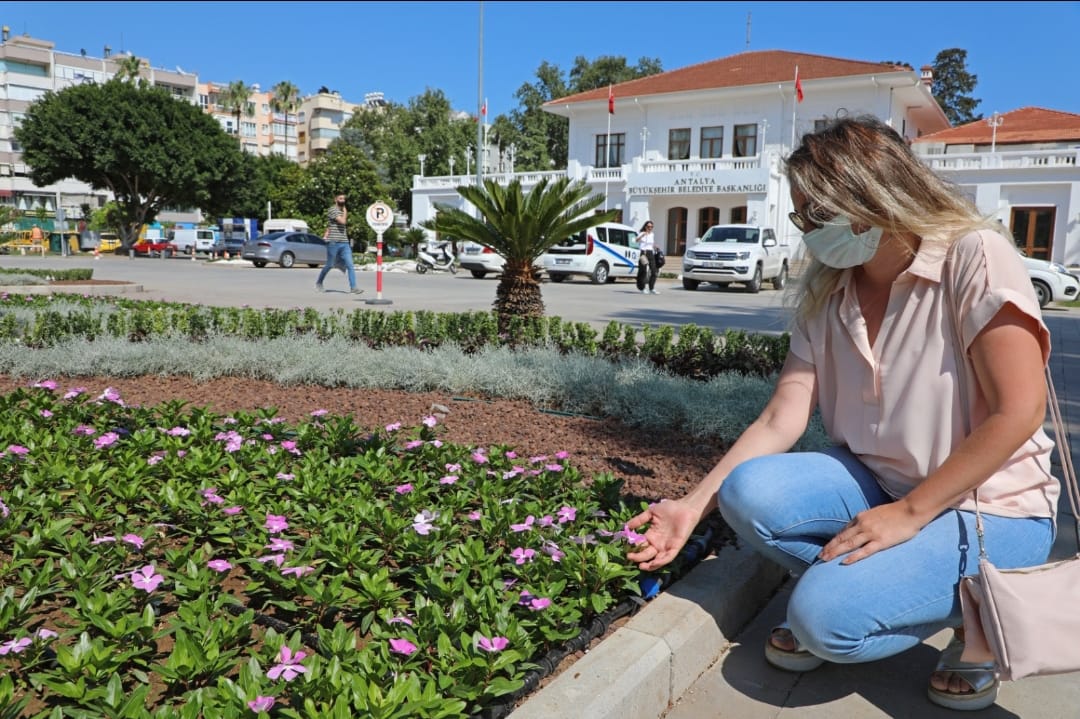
x: 129, y: 68
x: 286, y: 98
x: 521, y: 227
x: 236, y: 99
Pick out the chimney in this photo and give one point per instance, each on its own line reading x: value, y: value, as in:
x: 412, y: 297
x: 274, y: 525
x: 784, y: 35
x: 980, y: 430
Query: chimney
x: 6, y: 33
x: 927, y: 75
x: 108, y: 51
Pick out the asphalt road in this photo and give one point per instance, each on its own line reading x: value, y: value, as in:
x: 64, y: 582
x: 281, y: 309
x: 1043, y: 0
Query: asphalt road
x: 238, y: 283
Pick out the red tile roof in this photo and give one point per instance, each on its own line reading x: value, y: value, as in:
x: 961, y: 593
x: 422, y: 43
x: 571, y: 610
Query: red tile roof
x: 1028, y: 124
x: 757, y: 67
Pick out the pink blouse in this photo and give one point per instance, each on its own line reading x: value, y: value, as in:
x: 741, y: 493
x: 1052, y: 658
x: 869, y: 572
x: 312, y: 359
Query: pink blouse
x: 896, y: 404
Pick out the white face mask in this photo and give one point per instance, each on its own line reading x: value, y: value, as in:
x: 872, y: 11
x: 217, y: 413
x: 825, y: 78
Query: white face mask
x: 835, y: 245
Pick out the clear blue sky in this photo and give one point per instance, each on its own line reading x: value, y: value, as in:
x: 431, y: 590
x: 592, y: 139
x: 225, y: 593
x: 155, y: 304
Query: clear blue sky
x: 1024, y: 53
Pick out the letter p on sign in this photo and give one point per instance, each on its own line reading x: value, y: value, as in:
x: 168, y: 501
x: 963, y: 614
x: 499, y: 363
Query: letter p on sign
x: 380, y: 217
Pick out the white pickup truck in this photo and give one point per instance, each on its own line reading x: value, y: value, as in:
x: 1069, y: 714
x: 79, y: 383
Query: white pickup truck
x: 736, y: 253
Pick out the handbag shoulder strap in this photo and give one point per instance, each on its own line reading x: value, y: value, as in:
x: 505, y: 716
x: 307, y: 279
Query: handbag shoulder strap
x: 1069, y: 483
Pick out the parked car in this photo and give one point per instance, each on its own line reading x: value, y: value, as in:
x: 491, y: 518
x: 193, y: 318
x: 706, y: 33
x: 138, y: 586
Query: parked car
x: 736, y: 253
x: 231, y: 246
x: 1051, y: 280
x: 154, y: 248
x: 602, y: 253
x: 480, y: 260
x: 285, y: 249
x: 108, y: 242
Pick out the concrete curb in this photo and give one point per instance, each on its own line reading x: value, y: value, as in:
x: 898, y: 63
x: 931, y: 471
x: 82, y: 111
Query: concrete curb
x: 645, y: 666
x: 95, y: 290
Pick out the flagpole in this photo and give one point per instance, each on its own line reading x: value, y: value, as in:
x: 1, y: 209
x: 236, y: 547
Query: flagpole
x: 607, y: 150
x: 480, y: 149
x: 794, y: 106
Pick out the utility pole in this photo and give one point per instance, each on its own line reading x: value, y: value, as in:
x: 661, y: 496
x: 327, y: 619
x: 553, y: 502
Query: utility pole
x: 479, y: 107
x: 748, y: 30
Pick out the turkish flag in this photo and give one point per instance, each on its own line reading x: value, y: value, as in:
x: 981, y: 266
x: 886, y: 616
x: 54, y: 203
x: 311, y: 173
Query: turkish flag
x: 611, y: 99
x: 798, y: 86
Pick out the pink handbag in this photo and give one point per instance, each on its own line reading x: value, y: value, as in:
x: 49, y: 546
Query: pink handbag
x: 1025, y: 620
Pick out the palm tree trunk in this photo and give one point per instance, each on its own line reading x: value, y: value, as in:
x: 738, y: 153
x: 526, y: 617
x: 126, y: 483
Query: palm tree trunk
x: 517, y: 294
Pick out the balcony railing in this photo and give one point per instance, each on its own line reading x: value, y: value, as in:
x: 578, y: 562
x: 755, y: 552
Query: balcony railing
x: 503, y: 178
x: 712, y: 164
x: 1008, y: 160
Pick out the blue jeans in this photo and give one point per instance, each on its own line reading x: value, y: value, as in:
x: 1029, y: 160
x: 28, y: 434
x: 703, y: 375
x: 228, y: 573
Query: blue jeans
x: 338, y: 253
x: 788, y: 506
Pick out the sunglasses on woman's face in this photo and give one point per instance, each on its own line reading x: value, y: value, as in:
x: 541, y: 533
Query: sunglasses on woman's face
x: 804, y: 222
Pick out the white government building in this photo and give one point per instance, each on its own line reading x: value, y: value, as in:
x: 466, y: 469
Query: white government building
x: 702, y: 145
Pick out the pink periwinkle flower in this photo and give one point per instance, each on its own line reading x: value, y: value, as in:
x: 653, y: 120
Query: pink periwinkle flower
x: 84, y: 429
x: 524, y: 526
x: 451, y: 468
x: 546, y: 521
x: 15, y: 646
x: 630, y: 535
x: 479, y: 457
x: 111, y: 395
x: 102, y: 540
x: 562, y: 455
x: 45, y: 413
x: 512, y: 473
x: 538, y: 459
x: 403, y: 488
x: 413, y: 444
x: 285, y: 476
x: 566, y: 514
x: 552, y: 550
x: 232, y: 510
x: 538, y: 604
x: 288, y: 666
x: 106, y: 440
x: 219, y: 565
x: 134, y: 540
x: 45, y: 634
x: 74, y: 392
x: 424, y: 522
x: 280, y: 545
x: 146, y: 579
x: 553, y: 467
x: 402, y: 646
x: 475, y: 515
x: 393, y: 427
x: 521, y: 555
x: 298, y: 571
x: 430, y: 421
x: 277, y: 559
x: 290, y: 446
x: 18, y: 450
x: 46, y: 384
x: 261, y: 704
x: 179, y: 432
x: 276, y: 523
x: 494, y: 644
x: 319, y: 413
x: 154, y: 459
x: 436, y: 443
x: 510, y: 454
x: 4, y: 511
x: 449, y: 479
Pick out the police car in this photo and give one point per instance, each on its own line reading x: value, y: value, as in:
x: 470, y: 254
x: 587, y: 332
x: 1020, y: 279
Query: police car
x: 602, y: 253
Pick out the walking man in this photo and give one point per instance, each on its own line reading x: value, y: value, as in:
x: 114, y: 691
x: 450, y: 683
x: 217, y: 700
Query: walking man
x: 338, y: 247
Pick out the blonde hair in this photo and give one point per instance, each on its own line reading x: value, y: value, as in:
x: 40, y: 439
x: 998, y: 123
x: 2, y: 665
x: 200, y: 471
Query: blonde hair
x: 863, y: 169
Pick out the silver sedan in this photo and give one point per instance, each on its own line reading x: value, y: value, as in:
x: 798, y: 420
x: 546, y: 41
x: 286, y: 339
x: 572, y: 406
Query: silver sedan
x: 286, y: 249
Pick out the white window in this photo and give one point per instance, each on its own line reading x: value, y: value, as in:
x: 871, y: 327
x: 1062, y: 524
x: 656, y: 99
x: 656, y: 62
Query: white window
x: 247, y: 129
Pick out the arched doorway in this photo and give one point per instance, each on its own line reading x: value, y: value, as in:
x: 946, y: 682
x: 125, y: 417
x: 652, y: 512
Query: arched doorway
x: 676, y: 231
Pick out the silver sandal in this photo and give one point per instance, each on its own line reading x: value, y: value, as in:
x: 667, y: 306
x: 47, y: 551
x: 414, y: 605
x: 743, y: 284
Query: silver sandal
x: 798, y: 660
x: 981, y: 677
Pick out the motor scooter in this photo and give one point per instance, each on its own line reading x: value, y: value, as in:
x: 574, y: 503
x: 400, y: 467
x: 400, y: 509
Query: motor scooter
x: 440, y: 260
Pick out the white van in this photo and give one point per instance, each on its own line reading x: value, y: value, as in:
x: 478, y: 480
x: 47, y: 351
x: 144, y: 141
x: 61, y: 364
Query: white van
x: 191, y: 241
x: 284, y: 225
x: 603, y: 253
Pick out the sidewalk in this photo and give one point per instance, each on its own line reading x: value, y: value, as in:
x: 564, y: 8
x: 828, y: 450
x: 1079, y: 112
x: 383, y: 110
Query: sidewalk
x: 690, y: 654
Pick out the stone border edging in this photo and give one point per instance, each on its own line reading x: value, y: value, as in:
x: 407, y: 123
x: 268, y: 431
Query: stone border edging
x: 96, y: 290
x: 647, y: 664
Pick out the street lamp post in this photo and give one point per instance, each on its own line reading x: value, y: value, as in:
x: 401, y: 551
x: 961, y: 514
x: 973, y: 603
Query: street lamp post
x: 994, y: 121
x: 468, y: 157
x: 421, y: 158
x: 644, y: 140
x: 512, y: 153
x: 451, y: 166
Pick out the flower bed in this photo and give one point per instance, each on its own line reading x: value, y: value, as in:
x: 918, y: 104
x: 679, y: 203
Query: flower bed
x: 174, y: 562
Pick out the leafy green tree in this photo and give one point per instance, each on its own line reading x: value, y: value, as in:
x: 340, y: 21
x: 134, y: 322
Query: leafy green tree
x: 146, y: 147
x: 260, y: 176
x: 342, y: 168
x: 520, y: 227
x: 609, y: 70
x: 285, y: 99
x: 953, y: 85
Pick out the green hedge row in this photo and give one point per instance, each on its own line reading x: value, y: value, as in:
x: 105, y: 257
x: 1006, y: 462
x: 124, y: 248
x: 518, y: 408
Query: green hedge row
x: 72, y: 274
x: 688, y: 351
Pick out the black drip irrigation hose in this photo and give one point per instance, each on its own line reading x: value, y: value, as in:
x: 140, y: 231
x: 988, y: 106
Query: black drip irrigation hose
x: 651, y: 584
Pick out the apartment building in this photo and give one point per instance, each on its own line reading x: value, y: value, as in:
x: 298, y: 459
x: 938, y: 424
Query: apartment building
x: 319, y: 123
